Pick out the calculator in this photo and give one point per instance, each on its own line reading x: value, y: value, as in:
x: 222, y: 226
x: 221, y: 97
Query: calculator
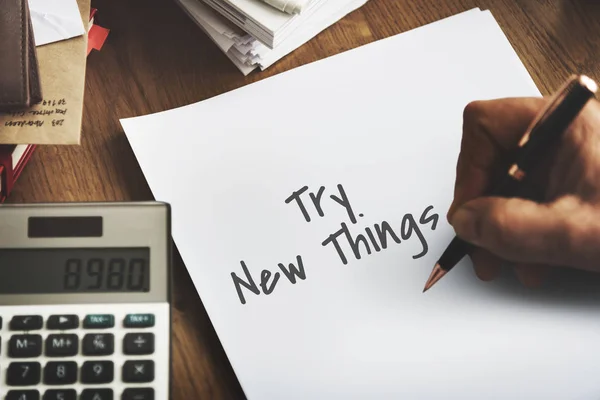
x: 85, y: 301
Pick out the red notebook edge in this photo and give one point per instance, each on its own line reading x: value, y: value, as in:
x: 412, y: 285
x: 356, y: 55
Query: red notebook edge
x: 9, y: 173
x: 22, y: 161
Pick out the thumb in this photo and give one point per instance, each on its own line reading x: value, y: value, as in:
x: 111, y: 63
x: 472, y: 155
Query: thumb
x: 563, y: 233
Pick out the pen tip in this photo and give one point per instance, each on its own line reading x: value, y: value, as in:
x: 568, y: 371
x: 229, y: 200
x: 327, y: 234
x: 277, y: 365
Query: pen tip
x: 435, y: 276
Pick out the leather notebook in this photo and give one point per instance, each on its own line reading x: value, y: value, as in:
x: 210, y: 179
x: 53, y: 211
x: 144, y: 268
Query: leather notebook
x: 19, y: 77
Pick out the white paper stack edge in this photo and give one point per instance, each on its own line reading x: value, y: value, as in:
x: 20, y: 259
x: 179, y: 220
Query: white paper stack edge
x: 248, y: 53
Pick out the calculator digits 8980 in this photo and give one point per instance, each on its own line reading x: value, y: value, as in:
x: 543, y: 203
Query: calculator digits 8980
x: 85, y: 301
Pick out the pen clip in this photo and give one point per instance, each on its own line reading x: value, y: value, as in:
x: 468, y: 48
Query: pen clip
x: 574, y: 81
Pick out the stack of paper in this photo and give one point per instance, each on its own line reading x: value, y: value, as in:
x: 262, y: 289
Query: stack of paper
x: 250, y: 48
x: 290, y: 6
x: 309, y: 239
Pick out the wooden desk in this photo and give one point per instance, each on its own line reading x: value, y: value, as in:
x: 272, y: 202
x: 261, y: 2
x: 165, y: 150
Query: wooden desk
x: 156, y: 58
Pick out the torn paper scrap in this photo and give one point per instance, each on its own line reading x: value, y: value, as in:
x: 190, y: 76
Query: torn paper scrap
x: 55, y: 20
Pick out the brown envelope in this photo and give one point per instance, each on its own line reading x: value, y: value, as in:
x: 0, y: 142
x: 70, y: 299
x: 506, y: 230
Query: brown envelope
x: 57, y: 119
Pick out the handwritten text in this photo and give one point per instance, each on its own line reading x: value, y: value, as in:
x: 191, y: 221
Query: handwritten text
x: 346, y: 241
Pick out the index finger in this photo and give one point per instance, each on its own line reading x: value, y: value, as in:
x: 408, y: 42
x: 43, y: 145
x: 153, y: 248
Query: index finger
x: 491, y: 128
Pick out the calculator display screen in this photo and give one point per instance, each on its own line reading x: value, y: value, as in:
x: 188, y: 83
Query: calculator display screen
x: 90, y: 270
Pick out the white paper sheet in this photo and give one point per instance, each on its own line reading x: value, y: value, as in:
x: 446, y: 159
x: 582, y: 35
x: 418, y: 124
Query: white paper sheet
x: 261, y: 20
x: 288, y: 6
x: 55, y: 20
x: 383, y: 121
x: 225, y: 46
x: 332, y: 13
x: 211, y: 18
x: 201, y: 15
x: 250, y: 56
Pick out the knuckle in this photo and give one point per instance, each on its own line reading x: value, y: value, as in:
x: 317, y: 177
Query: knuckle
x: 472, y: 112
x: 475, y: 143
x: 567, y: 204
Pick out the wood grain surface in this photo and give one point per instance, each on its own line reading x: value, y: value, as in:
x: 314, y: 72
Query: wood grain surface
x: 156, y: 59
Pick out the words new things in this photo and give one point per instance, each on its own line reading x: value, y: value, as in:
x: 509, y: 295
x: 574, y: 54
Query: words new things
x: 345, y: 242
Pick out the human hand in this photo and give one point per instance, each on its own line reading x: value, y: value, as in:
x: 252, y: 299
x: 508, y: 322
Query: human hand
x: 562, y: 227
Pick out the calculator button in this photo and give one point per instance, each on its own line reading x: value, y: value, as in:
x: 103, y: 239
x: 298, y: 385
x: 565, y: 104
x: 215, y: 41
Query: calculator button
x: 98, y: 344
x: 138, y: 371
x: 138, y: 343
x: 23, y: 373
x: 97, y: 372
x: 97, y: 321
x: 26, y: 322
x: 60, y: 373
x: 139, y: 320
x: 60, y: 394
x: 138, y: 394
x: 23, y: 395
x: 62, y: 345
x: 25, y: 346
x: 62, y: 322
x: 96, y: 394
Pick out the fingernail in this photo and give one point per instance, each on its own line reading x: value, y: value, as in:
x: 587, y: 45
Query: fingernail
x: 464, y: 224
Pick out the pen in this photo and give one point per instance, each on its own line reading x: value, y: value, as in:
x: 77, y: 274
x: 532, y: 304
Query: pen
x: 545, y: 130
